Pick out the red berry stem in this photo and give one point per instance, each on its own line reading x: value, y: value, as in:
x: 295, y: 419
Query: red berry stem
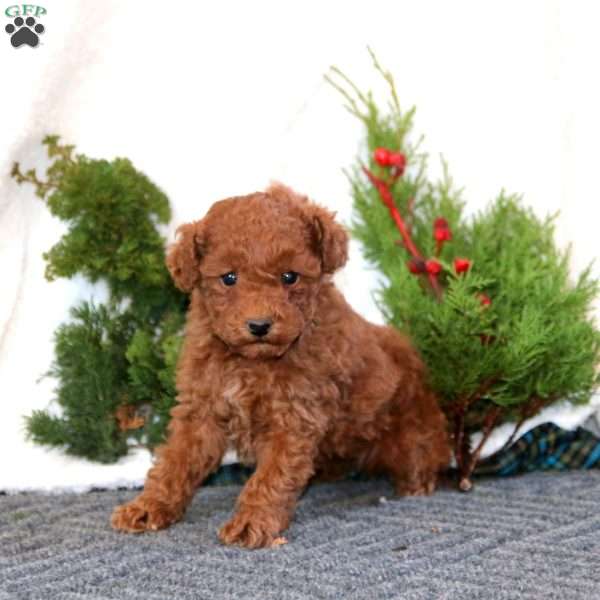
x: 386, y: 197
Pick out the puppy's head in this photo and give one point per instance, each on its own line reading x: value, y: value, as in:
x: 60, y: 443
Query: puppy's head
x: 259, y: 262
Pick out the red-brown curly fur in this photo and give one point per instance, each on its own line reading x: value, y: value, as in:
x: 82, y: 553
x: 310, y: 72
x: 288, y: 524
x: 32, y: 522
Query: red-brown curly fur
x: 323, y: 392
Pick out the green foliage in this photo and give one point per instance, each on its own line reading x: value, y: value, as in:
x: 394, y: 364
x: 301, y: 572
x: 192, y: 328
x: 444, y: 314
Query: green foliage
x: 534, y: 345
x: 112, y: 212
x: 91, y: 369
x: 152, y: 356
x: 123, y: 354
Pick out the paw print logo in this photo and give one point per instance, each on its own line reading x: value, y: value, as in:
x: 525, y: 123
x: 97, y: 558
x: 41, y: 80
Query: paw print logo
x: 24, y: 32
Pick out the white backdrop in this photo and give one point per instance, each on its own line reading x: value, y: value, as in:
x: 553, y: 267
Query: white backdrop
x: 216, y: 99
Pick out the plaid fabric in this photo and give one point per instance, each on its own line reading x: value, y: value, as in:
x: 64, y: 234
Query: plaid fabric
x: 234, y: 474
x: 546, y: 447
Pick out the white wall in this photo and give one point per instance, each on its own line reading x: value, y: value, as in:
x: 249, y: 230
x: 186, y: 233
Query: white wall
x: 215, y: 99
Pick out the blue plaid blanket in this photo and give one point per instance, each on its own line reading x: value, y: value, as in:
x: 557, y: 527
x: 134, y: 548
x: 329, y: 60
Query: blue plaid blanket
x: 543, y: 448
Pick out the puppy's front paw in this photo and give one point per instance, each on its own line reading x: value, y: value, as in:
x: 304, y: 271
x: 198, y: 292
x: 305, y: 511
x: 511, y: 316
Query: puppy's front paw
x: 143, y: 514
x: 251, y: 529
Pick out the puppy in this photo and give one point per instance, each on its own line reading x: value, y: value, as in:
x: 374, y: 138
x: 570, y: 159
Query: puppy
x: 276, y: 364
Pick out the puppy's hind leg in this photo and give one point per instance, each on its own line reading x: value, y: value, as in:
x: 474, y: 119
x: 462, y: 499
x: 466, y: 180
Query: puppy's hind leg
x: 414, y: 445
x: 406, y: 465
x: 412, y: 453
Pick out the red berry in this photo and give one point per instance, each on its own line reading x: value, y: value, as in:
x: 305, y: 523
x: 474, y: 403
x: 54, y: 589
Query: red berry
x: 416, y: 266
x: 485, y: 300
x: 440, y: 223
x: 461, y: 265
x: 433, y: 267
x: 398, y: 160
x: 442, y: 234
x: 382, y: 157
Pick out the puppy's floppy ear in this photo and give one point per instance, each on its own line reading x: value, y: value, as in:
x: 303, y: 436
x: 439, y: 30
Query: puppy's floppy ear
x: 183, y: 257
x: 329, y: 238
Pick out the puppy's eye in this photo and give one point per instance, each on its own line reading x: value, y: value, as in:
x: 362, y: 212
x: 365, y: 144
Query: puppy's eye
x: 229, y: 279
x: 289, y: 277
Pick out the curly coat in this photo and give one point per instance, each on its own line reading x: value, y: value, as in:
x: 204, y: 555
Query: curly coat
x: 313, y: 389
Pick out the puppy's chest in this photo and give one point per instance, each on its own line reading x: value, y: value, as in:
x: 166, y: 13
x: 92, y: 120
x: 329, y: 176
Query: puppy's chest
x: 243, y: 408
x: 251, y: 403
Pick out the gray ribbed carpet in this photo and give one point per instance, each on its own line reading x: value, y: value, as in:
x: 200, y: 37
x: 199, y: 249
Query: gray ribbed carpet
x: 536, y: 536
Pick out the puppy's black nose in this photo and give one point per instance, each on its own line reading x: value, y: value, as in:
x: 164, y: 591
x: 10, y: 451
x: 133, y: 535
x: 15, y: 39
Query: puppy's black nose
x: 259, y: 327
